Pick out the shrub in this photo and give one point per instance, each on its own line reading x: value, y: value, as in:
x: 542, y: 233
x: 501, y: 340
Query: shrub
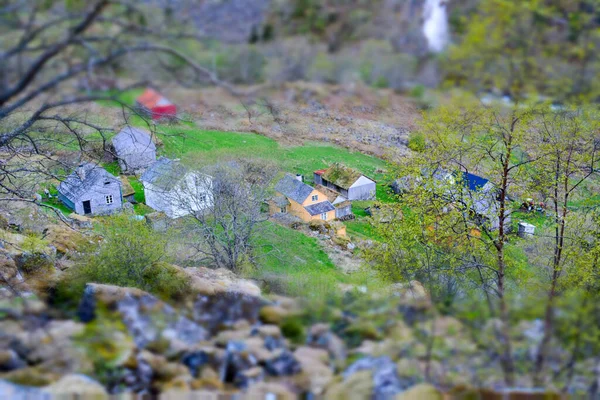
x: 130, y: 254
x: 322, y: 69
x: 293, y: 329
x: 417, y: 91
x: 416, y: 142
x: 34, y: 263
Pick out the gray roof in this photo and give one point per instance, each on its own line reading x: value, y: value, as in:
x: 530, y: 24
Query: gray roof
x: 281, y: 201
x: 164, y: 173
x: 83, y: 179
x: 132, y: 140
x: 320, y: 208
x: 293, y: 189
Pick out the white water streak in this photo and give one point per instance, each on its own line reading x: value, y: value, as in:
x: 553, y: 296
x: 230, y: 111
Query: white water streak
x: 435, y: 27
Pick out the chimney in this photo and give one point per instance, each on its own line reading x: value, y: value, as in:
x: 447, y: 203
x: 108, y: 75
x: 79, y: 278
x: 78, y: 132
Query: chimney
x: 81, y: 171
x: 300, y: 177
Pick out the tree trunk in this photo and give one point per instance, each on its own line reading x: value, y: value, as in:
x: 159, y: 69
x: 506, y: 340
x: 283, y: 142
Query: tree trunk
x: 506, y: 358
x: 559, y: 238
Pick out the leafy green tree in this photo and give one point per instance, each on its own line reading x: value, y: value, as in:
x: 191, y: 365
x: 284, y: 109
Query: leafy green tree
x: 567, y: 140
x: 523, y: 47
x: 446, y: 230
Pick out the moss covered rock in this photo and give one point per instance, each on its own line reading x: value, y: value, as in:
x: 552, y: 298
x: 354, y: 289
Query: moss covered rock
x: 273, y: 314
x: 34, y: 263
x: 76, y: 385
x: 31, y: 376
x: 356, y: 387
x: 420, y: 392
x: 64, y: 239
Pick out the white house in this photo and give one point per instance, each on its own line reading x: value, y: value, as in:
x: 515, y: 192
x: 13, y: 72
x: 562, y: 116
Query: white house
x: 173, y: 189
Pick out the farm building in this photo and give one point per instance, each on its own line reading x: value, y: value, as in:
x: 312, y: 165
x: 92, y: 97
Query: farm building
x: 483, y: 196
x: 346, y: 181
x: 134, y: 149
x: 171, y: 188
x: 343, y: 206
x: 301, y: 200
x: 156, y: 105
x: 91, y: 190
x: 480, y: 195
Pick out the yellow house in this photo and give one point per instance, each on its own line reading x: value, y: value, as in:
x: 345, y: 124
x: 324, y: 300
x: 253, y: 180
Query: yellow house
x: 301, y: 200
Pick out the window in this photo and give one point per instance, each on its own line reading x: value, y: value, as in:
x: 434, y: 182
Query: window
x: 315, y: 197
x: 324, y: 216
x: 283, y: 210
x: 109, y: 199
x: 202, y: 198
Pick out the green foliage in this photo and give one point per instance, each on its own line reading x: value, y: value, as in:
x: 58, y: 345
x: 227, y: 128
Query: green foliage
x: 138, y: 186
x: 293, y: 329
x: 130, y: 254
x: 34, y: 244
x: 36, y: 263
x: 381, y: 82
x: 112, y: 168
x: 105, y: 340
x: 323, y: 69
x: 418, y: 91
x: 514, y: 47
x: 416, y: 142
x: 380, y: 66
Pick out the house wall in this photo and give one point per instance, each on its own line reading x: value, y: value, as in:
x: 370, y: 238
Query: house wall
x: 97, y: 197
x: 309, y: 200
x: 164, y: 112
x: 362, y: 189
x: 299, y: 211
x: 274, y: 208
x: 182, y: 199
x: 157, y: 199
x: 66, y: 201
x: 317, y: 179
x: 132, y: 161
x: 343, y: 211
x: 330, y: 216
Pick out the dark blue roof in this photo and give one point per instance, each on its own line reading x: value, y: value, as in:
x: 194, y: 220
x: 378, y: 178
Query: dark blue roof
x: 473, y: 182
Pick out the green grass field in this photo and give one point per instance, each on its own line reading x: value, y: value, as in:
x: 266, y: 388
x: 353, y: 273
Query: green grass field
x: 198, y: 147
x: 292, y: 263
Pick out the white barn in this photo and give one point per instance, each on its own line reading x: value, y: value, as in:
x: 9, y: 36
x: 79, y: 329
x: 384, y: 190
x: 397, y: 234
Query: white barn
x: 346, y: 181
x: 173, y: 189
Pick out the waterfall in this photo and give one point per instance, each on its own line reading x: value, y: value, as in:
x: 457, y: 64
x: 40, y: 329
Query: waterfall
x: 435, y: 27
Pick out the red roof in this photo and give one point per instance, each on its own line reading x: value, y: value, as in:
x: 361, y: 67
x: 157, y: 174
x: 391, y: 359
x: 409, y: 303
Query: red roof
x: 320, y: 171
x: 151, y: 98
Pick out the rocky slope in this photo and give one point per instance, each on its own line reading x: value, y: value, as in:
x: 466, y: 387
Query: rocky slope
x: 226, y: 337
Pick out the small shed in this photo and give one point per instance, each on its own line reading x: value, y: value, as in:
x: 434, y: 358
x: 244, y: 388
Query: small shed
x: 526, y: 230
x: 156, y: 105
x: 127, y: 190
x: 134, y: 149
x: 91, y: 190
x: 346, y: 181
